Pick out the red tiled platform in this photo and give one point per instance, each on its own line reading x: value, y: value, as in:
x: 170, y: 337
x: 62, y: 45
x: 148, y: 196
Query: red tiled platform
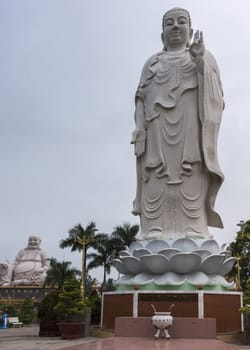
x: 118, y: 343
x: 183, y: 327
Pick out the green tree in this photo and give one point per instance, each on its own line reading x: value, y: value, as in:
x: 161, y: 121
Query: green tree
x: 46, y: 306
x: 240, y: 248
x: 246, y: 299
x: 124, y: 234
x: 11, y: 310
x: 26, y: 313
x: 94, y: 301
x: 88, y: 285
x: 105, y: 248
x: 59, y: 273
x: 70, y: 301
x: 77, y: 235
x: 108, y: 247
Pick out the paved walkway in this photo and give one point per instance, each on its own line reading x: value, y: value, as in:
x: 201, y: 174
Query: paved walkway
x: 26, y: 338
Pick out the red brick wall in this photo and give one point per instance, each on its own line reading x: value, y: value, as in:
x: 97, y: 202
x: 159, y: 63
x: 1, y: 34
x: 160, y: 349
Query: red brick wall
x: 185, y: 305
x: 116, y: 305
x: 225, y: 309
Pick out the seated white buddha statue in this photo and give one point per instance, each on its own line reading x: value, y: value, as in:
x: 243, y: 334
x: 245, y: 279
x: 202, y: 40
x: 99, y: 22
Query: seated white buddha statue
x: 31, y: 264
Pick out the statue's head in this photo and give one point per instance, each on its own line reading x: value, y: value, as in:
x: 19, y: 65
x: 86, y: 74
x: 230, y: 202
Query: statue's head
x: 176, y: 29
x: 34, y: 242
x: 4, y: 268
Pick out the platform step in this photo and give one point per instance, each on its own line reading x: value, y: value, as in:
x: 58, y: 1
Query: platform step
x: 234, y: 338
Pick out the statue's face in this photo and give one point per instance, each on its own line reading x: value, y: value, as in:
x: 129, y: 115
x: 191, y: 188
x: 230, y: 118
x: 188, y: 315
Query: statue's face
x: 176, y: 30
x: 34, y: 242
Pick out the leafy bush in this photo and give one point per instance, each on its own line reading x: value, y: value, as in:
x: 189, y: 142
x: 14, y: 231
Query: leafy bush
x: 9, y: 309
x: 246, y: 299
x: 26, y: 313
x: 95, y: 303
x: 46, y: 308
x: 70, y: 301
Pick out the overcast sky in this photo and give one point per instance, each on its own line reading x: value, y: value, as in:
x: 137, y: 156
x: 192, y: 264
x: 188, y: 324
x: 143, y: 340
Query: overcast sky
x: 68, y: 73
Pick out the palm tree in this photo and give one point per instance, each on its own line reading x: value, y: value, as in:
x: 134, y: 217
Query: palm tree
x: 77, y: 236
x: 105, y: 247
x: 126, y: 234
x: 60, y: 272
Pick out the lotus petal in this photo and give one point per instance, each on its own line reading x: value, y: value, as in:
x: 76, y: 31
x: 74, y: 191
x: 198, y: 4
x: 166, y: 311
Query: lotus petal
x: 124, y: 280
x: 226, y: 253
x: 185, y: 262
x: 211, y: 245
x: 132, y: 264
x: 202, y: 253
x: 135, y: 245
x: 227, y: 266
x: 197, y: 278
x: 169, y: 252
x: 170, y: 278
x: 142, y: 278
x: 157, y: 244
x: 141, y: 251
x: 120, y: 266
x: 185, y: 245
x: 173, y: 262
x: 212, y: 264
x: 155, y: 263
x: 217, y: 279
x: 124, y: 253
x: 224, y: 246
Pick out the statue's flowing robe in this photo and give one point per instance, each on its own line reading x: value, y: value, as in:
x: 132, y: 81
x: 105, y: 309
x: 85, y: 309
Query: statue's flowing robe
x: 179, y: 175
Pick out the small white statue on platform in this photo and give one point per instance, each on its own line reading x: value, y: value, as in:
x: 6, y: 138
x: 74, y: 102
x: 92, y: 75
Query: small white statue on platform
x: 6, y: 272
x: 31, y: 264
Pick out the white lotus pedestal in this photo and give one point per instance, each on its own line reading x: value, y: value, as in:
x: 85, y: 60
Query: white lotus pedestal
x: 189, y: 273
x: 180, y: 264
